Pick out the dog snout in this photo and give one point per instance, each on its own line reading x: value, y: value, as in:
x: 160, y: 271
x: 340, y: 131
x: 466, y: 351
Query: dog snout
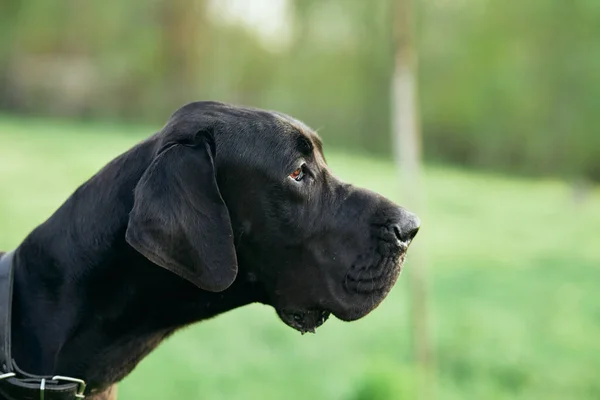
x: 407, y: 227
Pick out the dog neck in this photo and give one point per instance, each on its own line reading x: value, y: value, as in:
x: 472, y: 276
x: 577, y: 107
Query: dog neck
x: 89, y: 306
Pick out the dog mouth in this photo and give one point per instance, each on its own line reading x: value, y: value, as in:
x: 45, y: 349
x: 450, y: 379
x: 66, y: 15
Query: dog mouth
x: 377, y: 276
x: 365, y: 284
x: 303, y: 320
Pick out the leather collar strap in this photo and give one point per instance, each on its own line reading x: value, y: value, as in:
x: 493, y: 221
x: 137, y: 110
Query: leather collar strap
x: 14, y: 383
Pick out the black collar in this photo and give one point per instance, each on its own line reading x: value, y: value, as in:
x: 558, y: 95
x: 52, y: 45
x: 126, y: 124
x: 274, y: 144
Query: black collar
x: 16, y: 384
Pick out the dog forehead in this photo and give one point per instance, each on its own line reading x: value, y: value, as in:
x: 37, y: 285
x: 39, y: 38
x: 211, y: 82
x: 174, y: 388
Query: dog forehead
x: 295, y: 125
x: 246, y: 133
x: 286, y: 119
x: 298, y: 126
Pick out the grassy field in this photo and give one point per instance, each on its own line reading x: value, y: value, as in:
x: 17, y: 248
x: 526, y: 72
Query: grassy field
x: 515, y: 286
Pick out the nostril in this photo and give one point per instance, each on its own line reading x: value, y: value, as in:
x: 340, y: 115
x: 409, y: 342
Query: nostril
x: 406, y: 231
x: 410, y: 234
x: 407, y: 234
x: 398, y: 233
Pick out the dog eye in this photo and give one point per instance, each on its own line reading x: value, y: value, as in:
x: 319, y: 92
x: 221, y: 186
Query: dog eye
x: 298, y: 174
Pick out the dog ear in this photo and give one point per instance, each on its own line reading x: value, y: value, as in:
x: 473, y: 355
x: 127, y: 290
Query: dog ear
x: 179, y: 220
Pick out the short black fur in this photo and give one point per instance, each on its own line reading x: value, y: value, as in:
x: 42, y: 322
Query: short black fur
x: 197, y: 220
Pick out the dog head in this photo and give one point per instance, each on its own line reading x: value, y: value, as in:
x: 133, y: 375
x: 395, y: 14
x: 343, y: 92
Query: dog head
x: 234, y: 191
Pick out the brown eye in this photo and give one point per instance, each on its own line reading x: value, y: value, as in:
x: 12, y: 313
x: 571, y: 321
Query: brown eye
x: 298, y: 174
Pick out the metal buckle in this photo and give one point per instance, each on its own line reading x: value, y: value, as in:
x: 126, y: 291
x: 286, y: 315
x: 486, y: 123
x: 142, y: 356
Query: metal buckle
x: 42, y: 388
x: 7, y: 375
x: 81, y: 383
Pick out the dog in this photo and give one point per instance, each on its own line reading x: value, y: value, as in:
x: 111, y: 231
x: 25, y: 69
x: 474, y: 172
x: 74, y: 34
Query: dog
x: 223, y: 207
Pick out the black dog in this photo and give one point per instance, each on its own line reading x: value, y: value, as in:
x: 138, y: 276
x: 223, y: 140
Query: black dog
x: 225, y: 206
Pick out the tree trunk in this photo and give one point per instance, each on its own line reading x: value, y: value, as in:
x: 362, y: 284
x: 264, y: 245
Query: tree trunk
x: 407, y: 152
x: 182, y: 25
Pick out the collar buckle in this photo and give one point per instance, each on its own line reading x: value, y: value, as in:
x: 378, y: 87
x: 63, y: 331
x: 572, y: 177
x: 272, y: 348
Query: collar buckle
x: 42, y: 388
x: 81, y: 382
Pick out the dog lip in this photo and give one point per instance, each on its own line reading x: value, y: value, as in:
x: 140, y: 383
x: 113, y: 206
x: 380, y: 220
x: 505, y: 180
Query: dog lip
x: 375, y: 279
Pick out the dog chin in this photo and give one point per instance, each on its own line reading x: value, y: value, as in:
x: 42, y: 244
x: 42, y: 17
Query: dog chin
x: 303, y: 320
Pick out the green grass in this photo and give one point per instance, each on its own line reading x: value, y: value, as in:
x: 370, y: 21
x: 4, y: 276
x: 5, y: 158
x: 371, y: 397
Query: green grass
x: 514, y: 266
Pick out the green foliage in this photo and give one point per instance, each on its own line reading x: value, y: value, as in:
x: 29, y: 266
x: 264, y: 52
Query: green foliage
x: 514, y: 262
x: 386, y: 381
x: 512, y: 86
x: 504, y: 85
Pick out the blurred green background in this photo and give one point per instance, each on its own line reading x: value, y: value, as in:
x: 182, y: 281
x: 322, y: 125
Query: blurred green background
x: 510, y: 99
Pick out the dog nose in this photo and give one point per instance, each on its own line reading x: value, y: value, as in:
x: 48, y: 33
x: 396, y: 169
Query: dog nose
x: 407, y: 228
